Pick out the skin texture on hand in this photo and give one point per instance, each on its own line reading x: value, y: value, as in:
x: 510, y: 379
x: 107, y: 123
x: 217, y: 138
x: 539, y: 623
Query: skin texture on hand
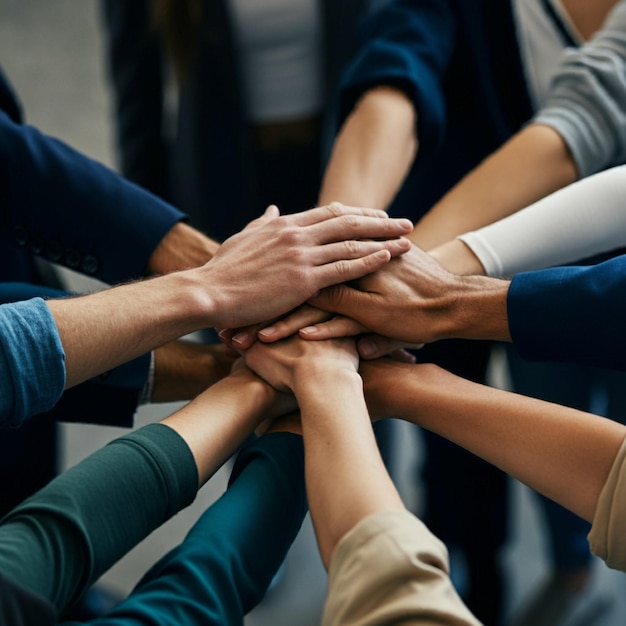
x: 414, y: 300
x: 345, y: 476
x: 278, y: 262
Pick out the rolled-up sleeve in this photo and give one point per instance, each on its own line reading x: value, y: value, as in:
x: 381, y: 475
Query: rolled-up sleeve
x: 32, y: 361
x: 586, y: 100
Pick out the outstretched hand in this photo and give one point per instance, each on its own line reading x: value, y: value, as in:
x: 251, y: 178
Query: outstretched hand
x: 278, y: 262
x: 284, y: 363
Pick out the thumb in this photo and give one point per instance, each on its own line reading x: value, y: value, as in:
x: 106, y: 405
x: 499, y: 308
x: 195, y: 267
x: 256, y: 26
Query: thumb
x: 339, y: 299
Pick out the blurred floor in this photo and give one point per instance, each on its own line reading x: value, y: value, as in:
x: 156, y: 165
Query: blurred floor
x: 52, y: 52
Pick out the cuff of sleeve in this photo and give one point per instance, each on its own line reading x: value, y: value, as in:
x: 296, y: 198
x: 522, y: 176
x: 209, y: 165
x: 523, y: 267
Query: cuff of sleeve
x: 32, y: 356
x: 484, y: 252
x: 606, y: 537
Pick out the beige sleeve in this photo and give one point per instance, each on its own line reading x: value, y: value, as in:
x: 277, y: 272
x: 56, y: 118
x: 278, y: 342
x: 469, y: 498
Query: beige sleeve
x: 390, y: 569
x: 608, y: 533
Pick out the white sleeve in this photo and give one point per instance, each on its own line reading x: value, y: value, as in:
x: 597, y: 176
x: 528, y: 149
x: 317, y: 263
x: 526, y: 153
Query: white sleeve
x: 579, y: 221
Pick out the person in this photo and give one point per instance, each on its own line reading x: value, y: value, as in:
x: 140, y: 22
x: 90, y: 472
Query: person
x: 456, y: 116
x: 384, y: 565
x: 47, y: 347
x: 254, y: 87
x: 59, y: 541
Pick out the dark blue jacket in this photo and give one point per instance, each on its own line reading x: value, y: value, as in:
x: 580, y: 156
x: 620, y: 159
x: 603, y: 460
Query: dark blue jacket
x: 64, y: 207
x: 571, y: 314
x: 459, y: 62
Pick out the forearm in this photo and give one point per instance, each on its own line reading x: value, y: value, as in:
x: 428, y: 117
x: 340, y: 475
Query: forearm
x: 220, y: 419
x: 183, y: 247
x: 563, y: 453
x: 345, y: 476
x: 373, y: 151
x: 61, y: 540
x: 533, y: 164
x: 104, y: 329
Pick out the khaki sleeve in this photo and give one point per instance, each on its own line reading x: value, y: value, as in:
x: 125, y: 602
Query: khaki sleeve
x: 390, y: 569
x: 607, y: 538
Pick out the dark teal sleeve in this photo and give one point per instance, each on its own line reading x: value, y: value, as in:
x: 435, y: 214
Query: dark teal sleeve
x: 573, y: 314
x: 225, y: 564
x: 63, y: 538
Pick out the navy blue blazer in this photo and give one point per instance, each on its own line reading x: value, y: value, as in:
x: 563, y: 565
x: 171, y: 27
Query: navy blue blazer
x: 573, y: 314
x: 64, y: 207
x: 459, y: 62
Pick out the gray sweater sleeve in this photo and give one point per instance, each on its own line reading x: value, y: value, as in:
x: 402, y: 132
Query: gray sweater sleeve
x: 586, y: 100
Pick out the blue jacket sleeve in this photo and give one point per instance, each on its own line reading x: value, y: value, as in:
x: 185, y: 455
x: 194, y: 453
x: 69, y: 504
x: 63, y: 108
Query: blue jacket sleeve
x: 571, y: 314
x: 407, y: 44
x: 67, y: 208
x: 32, y: 361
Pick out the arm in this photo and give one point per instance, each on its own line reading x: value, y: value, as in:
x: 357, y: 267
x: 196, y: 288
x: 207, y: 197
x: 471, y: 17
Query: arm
x: 106, y: 504
x: 563, y: 453
x: 277, y: 262
x: 367, y: 540
x: 580, y: 221
x: 579, y: 130
x: 391, y: 101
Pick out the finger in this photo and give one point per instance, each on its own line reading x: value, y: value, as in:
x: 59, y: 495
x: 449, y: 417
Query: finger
x: 375, y: 346
x: 292, y: 323
x: 346, y: 270
x: 270, y: 213
x: 352, y: 249
x: 337, y: 327
x: 333, y: 210
x: 403, y: 356
x: 360, y: 227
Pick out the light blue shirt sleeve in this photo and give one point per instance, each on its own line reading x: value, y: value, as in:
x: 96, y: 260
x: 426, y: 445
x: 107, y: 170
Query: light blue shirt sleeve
x: 32, y: 361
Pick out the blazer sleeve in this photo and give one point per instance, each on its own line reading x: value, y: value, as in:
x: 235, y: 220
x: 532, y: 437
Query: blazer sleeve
x: 69, y: 209
x: 571, y: 314
x: 407, y: 44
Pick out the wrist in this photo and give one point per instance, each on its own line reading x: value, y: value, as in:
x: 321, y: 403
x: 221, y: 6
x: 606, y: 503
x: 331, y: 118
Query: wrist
x: 476, y: 308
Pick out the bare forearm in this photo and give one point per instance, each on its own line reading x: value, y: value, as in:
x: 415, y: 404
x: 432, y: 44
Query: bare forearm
x: 533, y: 164
x: 183, y: 247
x: 220, y: 419
x: 102, y: 330
x: 563, y: 453
x: 346, y: 478
x: 373, y: 152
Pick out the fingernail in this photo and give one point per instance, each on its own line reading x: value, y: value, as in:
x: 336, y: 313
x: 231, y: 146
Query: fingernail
x: 268, y: 331
x: 308, y: 330
x: 223, y: 334
x: 240, y: 338
x: 367, y: 348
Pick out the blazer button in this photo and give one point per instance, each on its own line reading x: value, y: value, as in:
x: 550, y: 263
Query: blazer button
x: 53, y: 250
x: 36, y: 246
x: 90, y: 264
x: 21, y: 235
x: 72, y: 258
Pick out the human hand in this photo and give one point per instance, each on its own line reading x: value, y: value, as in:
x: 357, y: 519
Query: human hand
x: 277, y: 262
x: 408, y: 300
x: 183, y: 369
x: 284, y: 363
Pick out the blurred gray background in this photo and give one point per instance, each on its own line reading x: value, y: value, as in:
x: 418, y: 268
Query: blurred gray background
x: 52, y: 52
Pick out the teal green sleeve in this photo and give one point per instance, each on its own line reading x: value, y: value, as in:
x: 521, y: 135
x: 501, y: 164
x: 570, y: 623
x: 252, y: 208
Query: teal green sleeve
x: 62, y: 539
